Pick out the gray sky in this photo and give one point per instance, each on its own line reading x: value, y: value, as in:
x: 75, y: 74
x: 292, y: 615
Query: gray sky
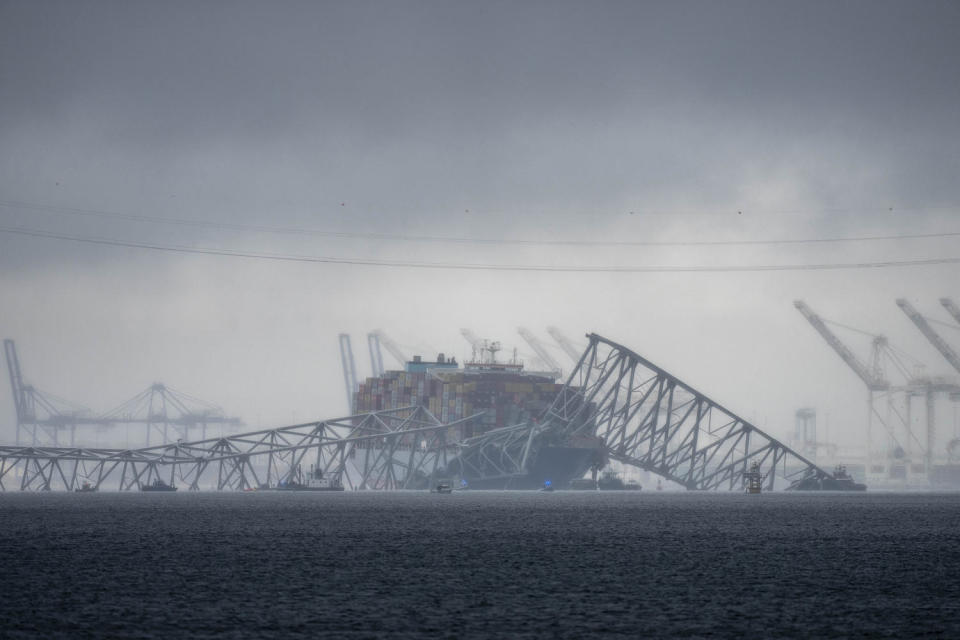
x: 541, y: 121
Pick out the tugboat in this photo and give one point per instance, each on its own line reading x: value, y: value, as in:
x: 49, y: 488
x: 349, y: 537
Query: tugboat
x: 158, y: 485
x: 442, y: 487
x: 841, y: 481
x: 86, y: 487
x: 754, y: 479
x: 611, y: 481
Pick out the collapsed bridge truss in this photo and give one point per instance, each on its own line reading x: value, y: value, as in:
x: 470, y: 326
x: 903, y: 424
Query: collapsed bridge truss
x: 627, y: 408
x: 650, y: 419
x: 391, y: 449
x: 644, y: 417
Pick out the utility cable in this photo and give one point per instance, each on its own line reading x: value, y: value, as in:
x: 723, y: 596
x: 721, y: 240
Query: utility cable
x: 235, y: 226
x: 484, y: 267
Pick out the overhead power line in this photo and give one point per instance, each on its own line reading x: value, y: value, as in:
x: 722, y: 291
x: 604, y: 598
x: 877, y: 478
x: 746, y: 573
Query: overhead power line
x: 479, y: 266
x: 235, y: 226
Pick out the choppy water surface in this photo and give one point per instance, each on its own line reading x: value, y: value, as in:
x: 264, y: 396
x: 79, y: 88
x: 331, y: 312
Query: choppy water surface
x: 479, y: 564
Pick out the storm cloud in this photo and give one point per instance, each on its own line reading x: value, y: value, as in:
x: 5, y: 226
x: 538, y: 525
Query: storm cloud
x: 657, y: 122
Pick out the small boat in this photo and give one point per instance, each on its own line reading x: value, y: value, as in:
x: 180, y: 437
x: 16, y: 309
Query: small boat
x: 296, y: 486
x: 547, y: 486
x: 315, y: 481
x: 86, y: 487
x: 442, y: 487
x: 612, y: 481
x: 158, y: 485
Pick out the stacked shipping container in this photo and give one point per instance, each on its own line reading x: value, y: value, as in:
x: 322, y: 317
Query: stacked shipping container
x: 452, y: 394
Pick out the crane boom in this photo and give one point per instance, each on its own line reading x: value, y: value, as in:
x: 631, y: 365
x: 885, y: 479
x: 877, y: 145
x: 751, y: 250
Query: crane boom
x: 928, y: 332
x: 874, y: 381
x: 391, y: 346
x: 349, y: 368
x: 538, y: 348
x: 472, y: 338
x: 16, y: 379
x: 475, y: 342
x: 951, y: 307
x: 564, y: 343
x: 376, y: 355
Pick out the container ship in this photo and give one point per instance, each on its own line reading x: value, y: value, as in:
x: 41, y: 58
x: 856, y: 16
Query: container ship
x: 502, y: 393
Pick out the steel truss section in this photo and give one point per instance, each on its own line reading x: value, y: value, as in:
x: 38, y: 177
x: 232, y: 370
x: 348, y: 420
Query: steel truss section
x: 633, y: 411
x: 499, y: 454
x: 392, y: 449
x: 650, y: 419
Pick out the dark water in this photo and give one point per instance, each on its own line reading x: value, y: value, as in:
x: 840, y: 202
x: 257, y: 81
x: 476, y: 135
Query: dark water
x: 566, y: 565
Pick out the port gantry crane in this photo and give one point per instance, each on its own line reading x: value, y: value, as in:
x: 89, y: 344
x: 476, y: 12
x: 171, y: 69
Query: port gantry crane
x: 376, y: 339
x: 873, y: 376
x: 42, y: 417
x: 392, y: 347
x: 169, y: 414
x: 539, y: 349
x: 952, y: 308
x: 930, y: 334
x: 565, y: 344
x: 349, y: 368
x: 376, y: 355
x: 932, y: 385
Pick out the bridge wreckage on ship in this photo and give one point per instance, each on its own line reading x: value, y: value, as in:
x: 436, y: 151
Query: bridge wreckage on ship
x: 614, y: 405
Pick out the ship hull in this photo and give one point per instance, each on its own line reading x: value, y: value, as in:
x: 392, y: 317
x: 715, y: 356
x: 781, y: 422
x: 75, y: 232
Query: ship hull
x: 556, y: 465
